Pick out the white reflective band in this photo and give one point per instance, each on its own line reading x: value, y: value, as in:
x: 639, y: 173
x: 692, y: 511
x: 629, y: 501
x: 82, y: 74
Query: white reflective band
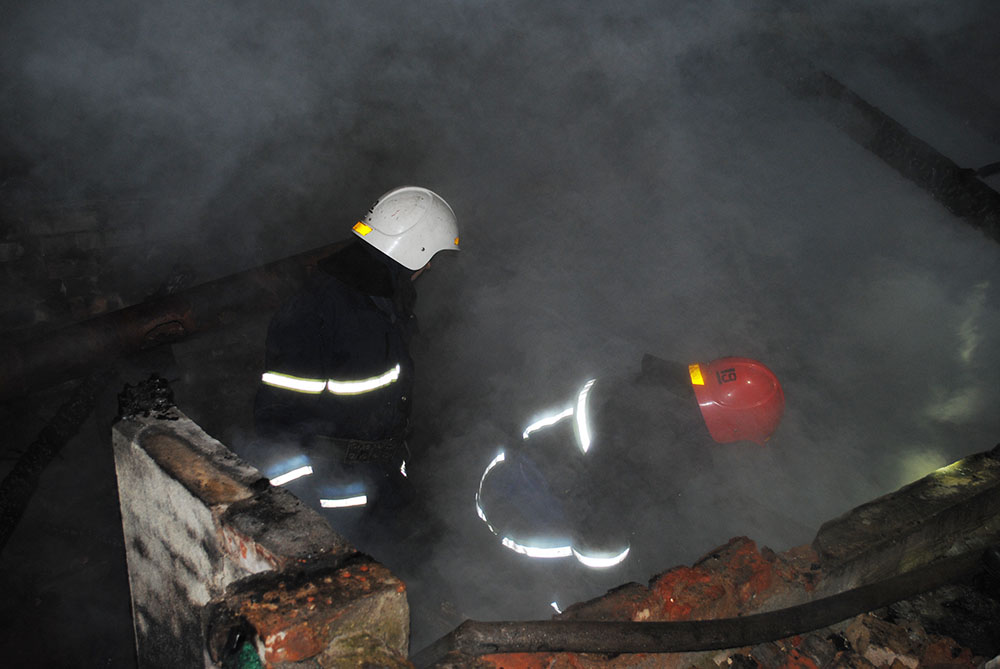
x: 479, y: 508
x: 316, y: 386
x: 482, y: 515
x: 537, y: 551
x: 601, y: 562
x: 364, y: 385
x: 344, y: 502
x: 581, y: 416
x: 555, y: 605
x: 288, y: 477
x: 497, y: 460
x: 544, y: 552
x: 402, y: 469
x: 298, y: 384
x: 545, y: 422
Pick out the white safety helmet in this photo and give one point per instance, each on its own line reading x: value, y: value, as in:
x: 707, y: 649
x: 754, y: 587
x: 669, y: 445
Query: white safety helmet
x: 410, y: 224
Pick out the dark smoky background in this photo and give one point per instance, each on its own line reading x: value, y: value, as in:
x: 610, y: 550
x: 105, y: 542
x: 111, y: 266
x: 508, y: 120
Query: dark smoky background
x: 629, y: 179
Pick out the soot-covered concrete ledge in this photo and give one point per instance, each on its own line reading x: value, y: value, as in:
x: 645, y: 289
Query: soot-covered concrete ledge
x: 221, y: 563
x: 949, y: 511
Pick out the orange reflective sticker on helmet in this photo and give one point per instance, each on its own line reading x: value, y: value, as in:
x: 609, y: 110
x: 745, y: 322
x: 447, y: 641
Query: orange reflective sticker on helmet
x: 696, y: 377
x: 456, y: 241
x: 362, y: 229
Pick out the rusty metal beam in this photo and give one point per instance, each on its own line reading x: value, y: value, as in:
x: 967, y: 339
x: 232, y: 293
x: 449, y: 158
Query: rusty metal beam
x: 72, y: 351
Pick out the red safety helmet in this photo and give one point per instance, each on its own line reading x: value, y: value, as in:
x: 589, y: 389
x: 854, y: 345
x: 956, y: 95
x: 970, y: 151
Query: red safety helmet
x: 740, y: 399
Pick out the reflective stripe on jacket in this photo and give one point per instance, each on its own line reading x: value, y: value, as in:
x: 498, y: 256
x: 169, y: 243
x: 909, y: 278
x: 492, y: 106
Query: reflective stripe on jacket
x: 337, y: 387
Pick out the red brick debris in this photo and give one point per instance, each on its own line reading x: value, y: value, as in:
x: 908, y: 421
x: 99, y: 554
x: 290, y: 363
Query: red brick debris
x: 737, y: 579
x: 295, y: 621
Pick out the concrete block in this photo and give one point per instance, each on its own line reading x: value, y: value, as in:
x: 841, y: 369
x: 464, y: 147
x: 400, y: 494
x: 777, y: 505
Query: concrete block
x: 275, y: 530
x: 195, y: 520
x: 954, y: 509
x: 173, y: 557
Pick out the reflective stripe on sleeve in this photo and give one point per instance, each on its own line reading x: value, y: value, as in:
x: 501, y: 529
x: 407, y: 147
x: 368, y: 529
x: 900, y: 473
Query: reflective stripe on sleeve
x: 344, y: 502
x: 288, y: 477
x: 546, y: 422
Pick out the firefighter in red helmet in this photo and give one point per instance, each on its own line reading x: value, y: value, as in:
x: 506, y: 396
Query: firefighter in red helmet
x: 559, y: 492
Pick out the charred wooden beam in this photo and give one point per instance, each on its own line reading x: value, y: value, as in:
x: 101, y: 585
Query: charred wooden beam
x: 74, y: 350
x: 957, y: 188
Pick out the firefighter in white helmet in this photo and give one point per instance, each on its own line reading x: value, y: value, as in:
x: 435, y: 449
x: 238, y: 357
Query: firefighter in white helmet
x: 338, y: 376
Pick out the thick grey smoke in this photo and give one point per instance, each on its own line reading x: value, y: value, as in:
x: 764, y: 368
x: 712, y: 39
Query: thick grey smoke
x: 628, y: 180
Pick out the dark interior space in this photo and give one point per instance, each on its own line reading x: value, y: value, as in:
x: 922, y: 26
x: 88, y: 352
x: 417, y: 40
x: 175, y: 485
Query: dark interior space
x: 628, y: 180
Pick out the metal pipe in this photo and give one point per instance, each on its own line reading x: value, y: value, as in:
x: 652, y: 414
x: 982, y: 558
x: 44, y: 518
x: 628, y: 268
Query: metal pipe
x: 473, y: 638
x: 72, y: 351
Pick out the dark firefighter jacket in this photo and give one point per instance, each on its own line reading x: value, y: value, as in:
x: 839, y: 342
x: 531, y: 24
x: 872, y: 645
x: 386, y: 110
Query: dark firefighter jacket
x: 337, y: 355
x: 569, y: 486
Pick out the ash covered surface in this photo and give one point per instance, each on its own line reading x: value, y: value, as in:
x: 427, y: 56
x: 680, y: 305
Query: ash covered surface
x: 152, y: 397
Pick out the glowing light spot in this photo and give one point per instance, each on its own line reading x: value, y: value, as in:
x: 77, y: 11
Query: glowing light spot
x: 496, y: 461
x: 950, y: 469
x: 547, y: 421
x: 315, y: 386
x: 598, y: 562
x: 582, y: 424
x: 363, y: 385
x: 344, y: 502
x: 296, y: 383
x: 542, y: 552
x: 288, y: 477
x: 479, y: 506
